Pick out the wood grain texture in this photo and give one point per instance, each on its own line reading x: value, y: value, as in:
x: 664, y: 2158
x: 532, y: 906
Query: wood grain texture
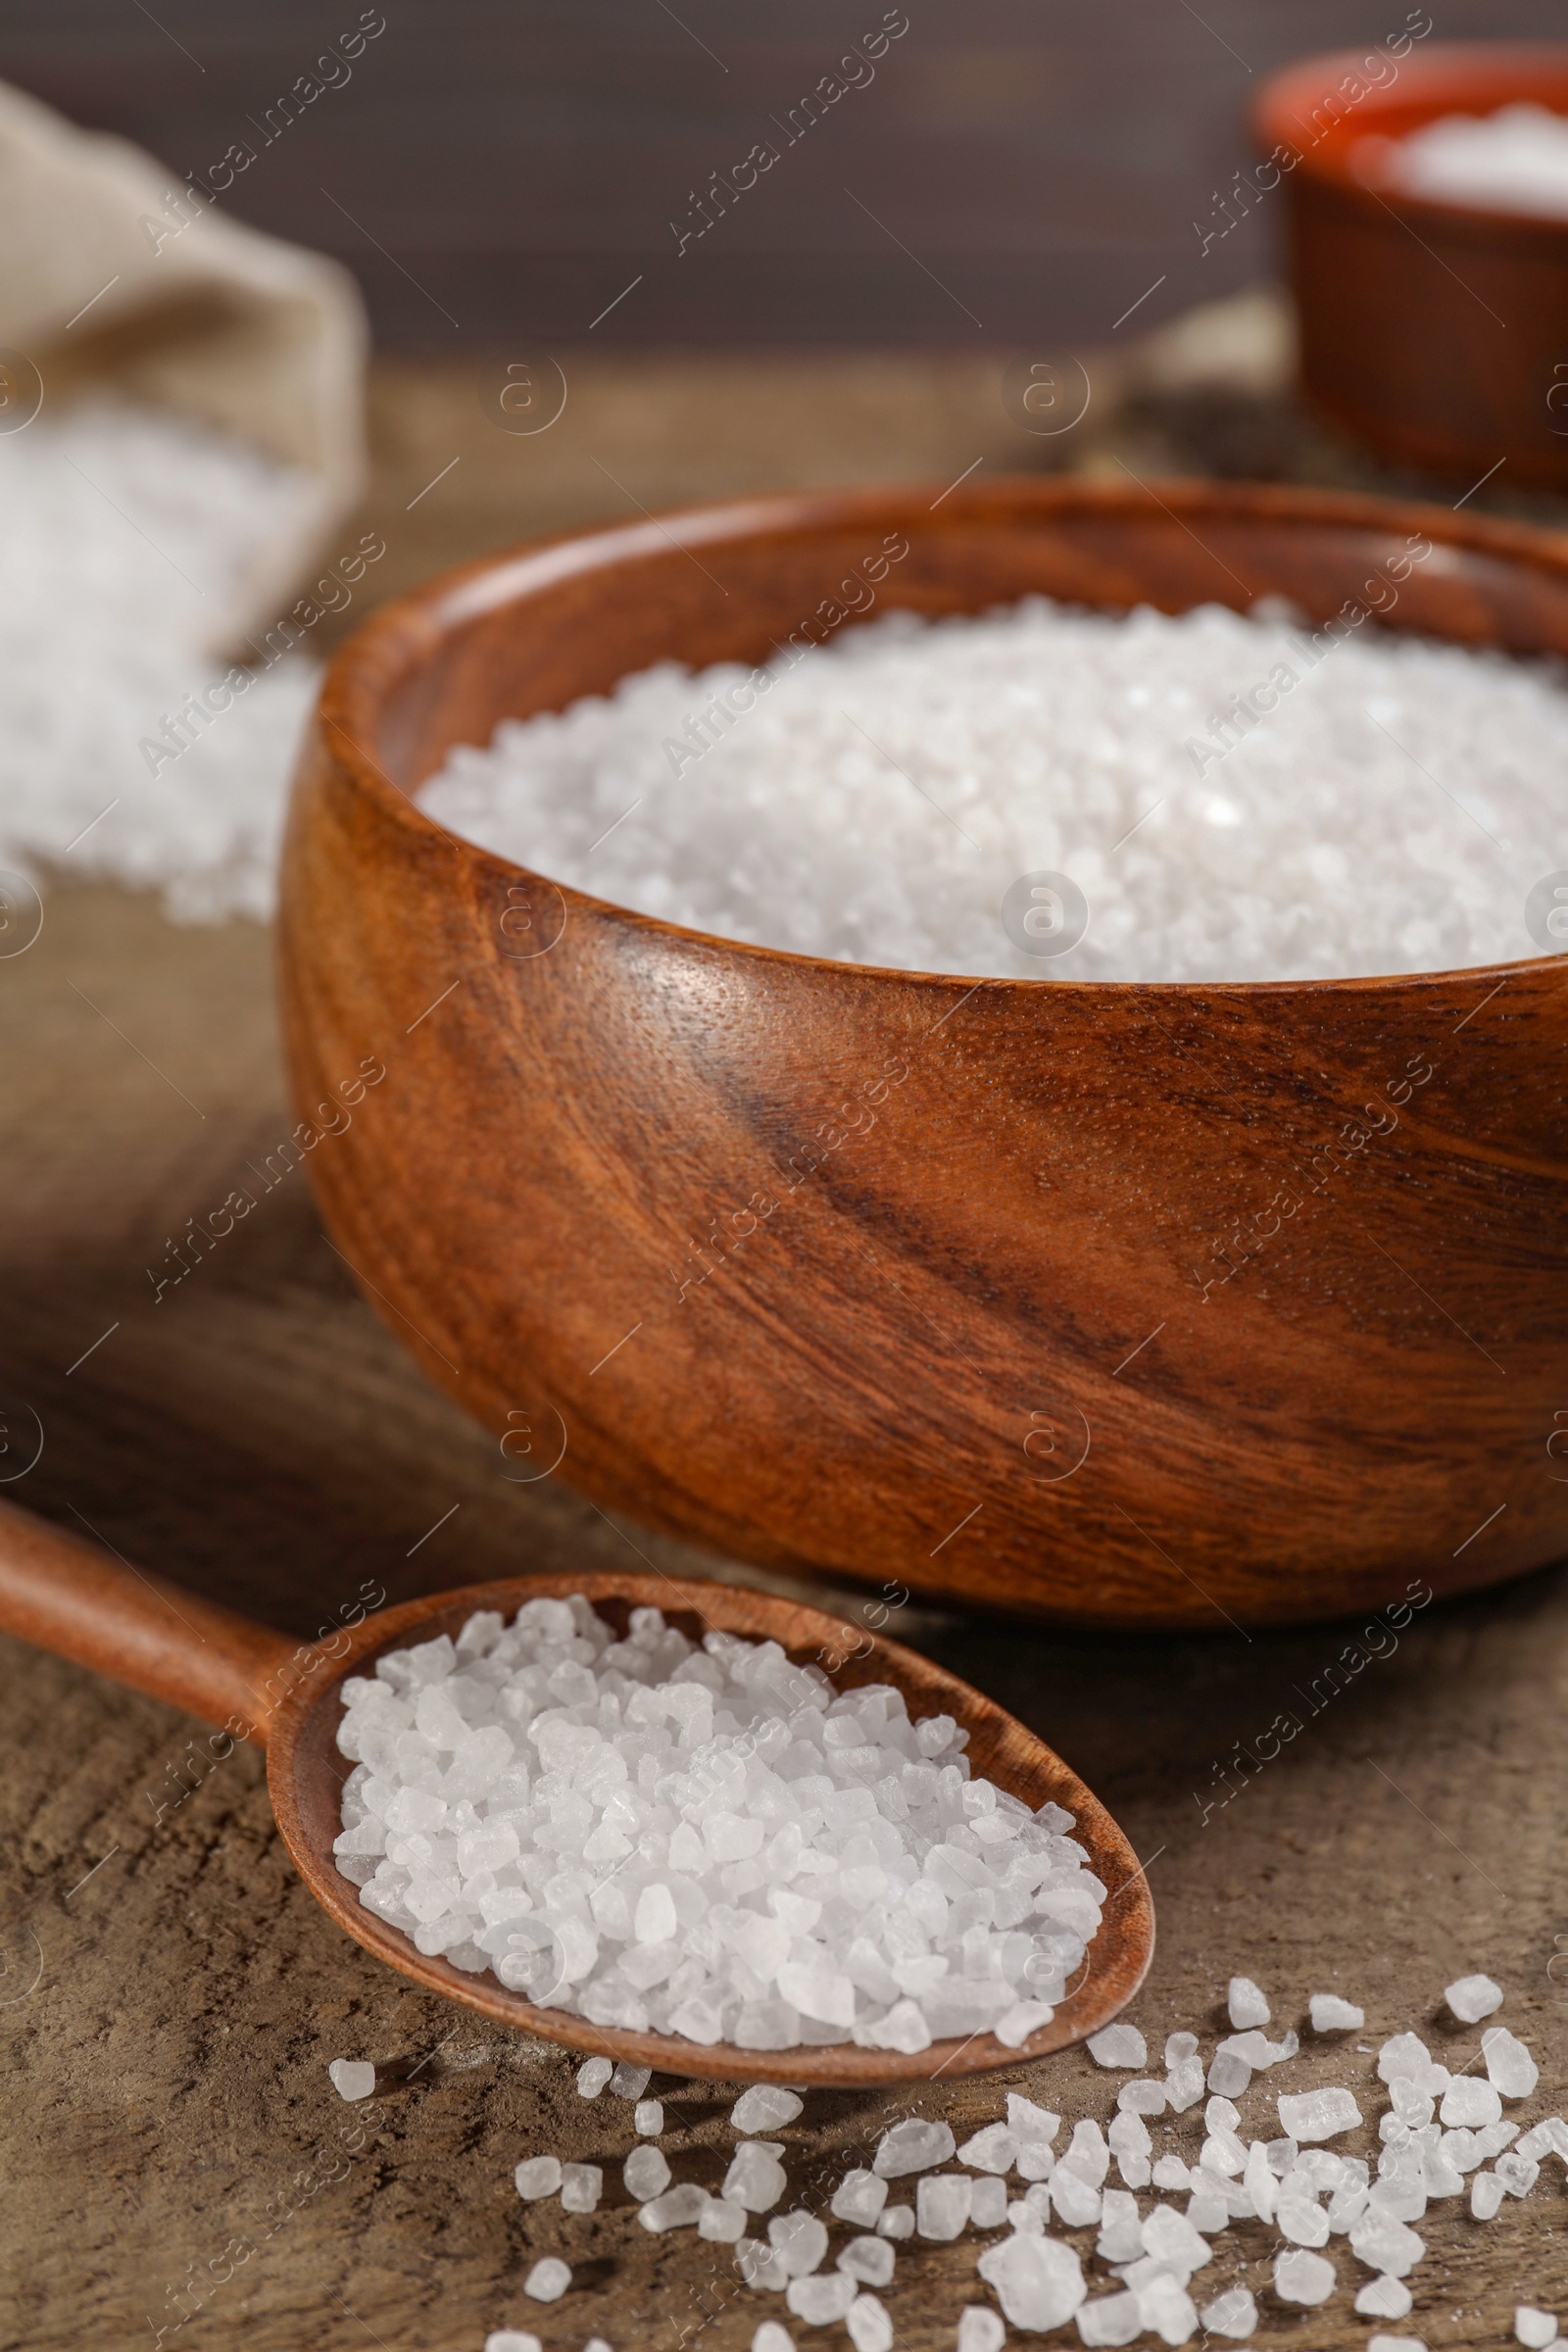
x: 836, y: 1268
x: 1431, y: 330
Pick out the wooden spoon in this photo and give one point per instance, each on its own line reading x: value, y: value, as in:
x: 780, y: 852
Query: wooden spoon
x: 73, y: 1598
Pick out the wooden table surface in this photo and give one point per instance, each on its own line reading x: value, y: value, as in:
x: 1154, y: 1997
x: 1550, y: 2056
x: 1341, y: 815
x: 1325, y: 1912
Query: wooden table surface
x: 169, y: 1996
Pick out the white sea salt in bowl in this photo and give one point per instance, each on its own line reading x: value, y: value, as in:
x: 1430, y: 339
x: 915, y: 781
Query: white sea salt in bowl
x: 1104, y: 1298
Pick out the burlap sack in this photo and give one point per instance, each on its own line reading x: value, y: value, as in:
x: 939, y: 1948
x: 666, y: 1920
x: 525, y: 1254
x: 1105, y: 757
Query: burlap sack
x: 117, y: 274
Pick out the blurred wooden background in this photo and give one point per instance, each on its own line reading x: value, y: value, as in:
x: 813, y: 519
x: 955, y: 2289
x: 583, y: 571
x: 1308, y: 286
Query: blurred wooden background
x: 498, y: 168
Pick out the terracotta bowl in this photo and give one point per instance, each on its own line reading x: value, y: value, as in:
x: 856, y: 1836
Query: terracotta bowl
x: 1435, y: 332
x: 1162, y: 1305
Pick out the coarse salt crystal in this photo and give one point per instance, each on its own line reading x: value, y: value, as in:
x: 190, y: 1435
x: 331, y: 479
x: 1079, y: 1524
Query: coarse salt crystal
x: 352, y: 2077
x: 1246, y: 2003
x: 1509, y: 2064
x: 582, y: 2187
x: 1471, y: 1998
x: 627, y: 2081
x: 772, y: 2337
x: 646, y: 2172
x: 511, y: 2339
x: 1118, y: 2045
x: 895, y: 2220
x: 912, y: 2147
x: 1331, y: 2015
x: 1318, y: 2114
x: 869, y: 2260
x: 822, y: 2299
x: 979, y: 2329
x: 869, y: 2325
x: 1383, y: 2299
x: 860, y: 2198
x: 764, y: 2107
x: 1303, y: 2277
x: 1110, y: 2320
x: 648, y: 2118
x: 1038, y: 2281
x: 1233, y: 2312
x: 1537, y: 2328
x: 676, y: 2208
x: 592, y: 2076
x: 547, y: 2280
x: 538, y: 2177
x: 941, y: 2204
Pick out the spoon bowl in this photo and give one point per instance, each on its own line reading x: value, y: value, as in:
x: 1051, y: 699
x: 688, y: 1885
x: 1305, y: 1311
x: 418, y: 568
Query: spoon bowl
x: 70, y: 1598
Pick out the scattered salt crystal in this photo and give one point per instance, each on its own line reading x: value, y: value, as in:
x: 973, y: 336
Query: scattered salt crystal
x: 1383, y: 2299
x: 858, y: 2198
x: 1299, y: 2217
x: 755, y: 2177
x: 1509, y: 2064
x: 912, y: 2147
x: 895, y: 2220
x: 1537, y: 2328
x: 1331, y: 2015
x: 992, y: 2149
x: 1087, y: 2153
x: 800, y: 2241
x: 1142, y: 2097
x: 765, y: 2108
x: 1303, y: 2277
x: 1233, y: 2312
x: 1469, y: 2102
x: 772, y: 2337
x: 1031, y: 2125
x: 1486, y: 2196
x: 629, y: 2081
x: 869, y: 2260
x: 582, y: 2186
x: 722, y: 2220
x: 1318, y: 2114
x: 1387, y: 2246
x: 1518, y: 2174
x: 648, y: 2118
x: 1118, y: 2045
x: 676, y: 2208
x: 870, y: 2329
x: 1110, y: 2320
x: 1228, y: 2074
x: 1037, y: 2282
x: 547, y: 2280
x: 1184, y: 2084
x: 352, y: 2077
x: 941, y: 2204
x: 511, y: 2339
x: 1246, y: 2003
x: 979, y: 2329
x: 592, y: 2076
x: 821, y: 2300
x: 1076, y: 2201
x: 762, y: 2267
x: 1171, y: 2173
x: 1471, y: 1998
x: 1171, y: 2239
x: 1408, y: 2055
x: 988, y: 2202
x: 538, y: 2177
x: 646, y: 2172
x: 1394, y: 2343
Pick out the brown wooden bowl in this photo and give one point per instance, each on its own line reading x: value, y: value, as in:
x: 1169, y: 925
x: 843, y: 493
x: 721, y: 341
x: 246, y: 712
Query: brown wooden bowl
x: 73, y: 1598
x: 1435, y: 332
x: 1096, y: 1301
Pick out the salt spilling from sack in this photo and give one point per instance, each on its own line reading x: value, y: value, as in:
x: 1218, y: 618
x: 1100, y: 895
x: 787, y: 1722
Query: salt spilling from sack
x: 126, y: 536
x: 1383, y: 804
x: 706, y: 1841
x: 1514, y: 161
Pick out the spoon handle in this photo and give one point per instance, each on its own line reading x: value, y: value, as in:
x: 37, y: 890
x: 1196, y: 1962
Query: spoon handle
x: 96, y: 1609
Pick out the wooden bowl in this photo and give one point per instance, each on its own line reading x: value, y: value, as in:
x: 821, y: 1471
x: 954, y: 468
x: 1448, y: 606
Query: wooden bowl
x: 1435, y: 332
x: 1111, y: 1302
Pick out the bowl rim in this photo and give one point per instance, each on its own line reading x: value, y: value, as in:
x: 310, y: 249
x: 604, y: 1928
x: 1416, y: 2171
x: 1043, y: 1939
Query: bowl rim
x: 1443, y: 71
x: 391, y: 643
